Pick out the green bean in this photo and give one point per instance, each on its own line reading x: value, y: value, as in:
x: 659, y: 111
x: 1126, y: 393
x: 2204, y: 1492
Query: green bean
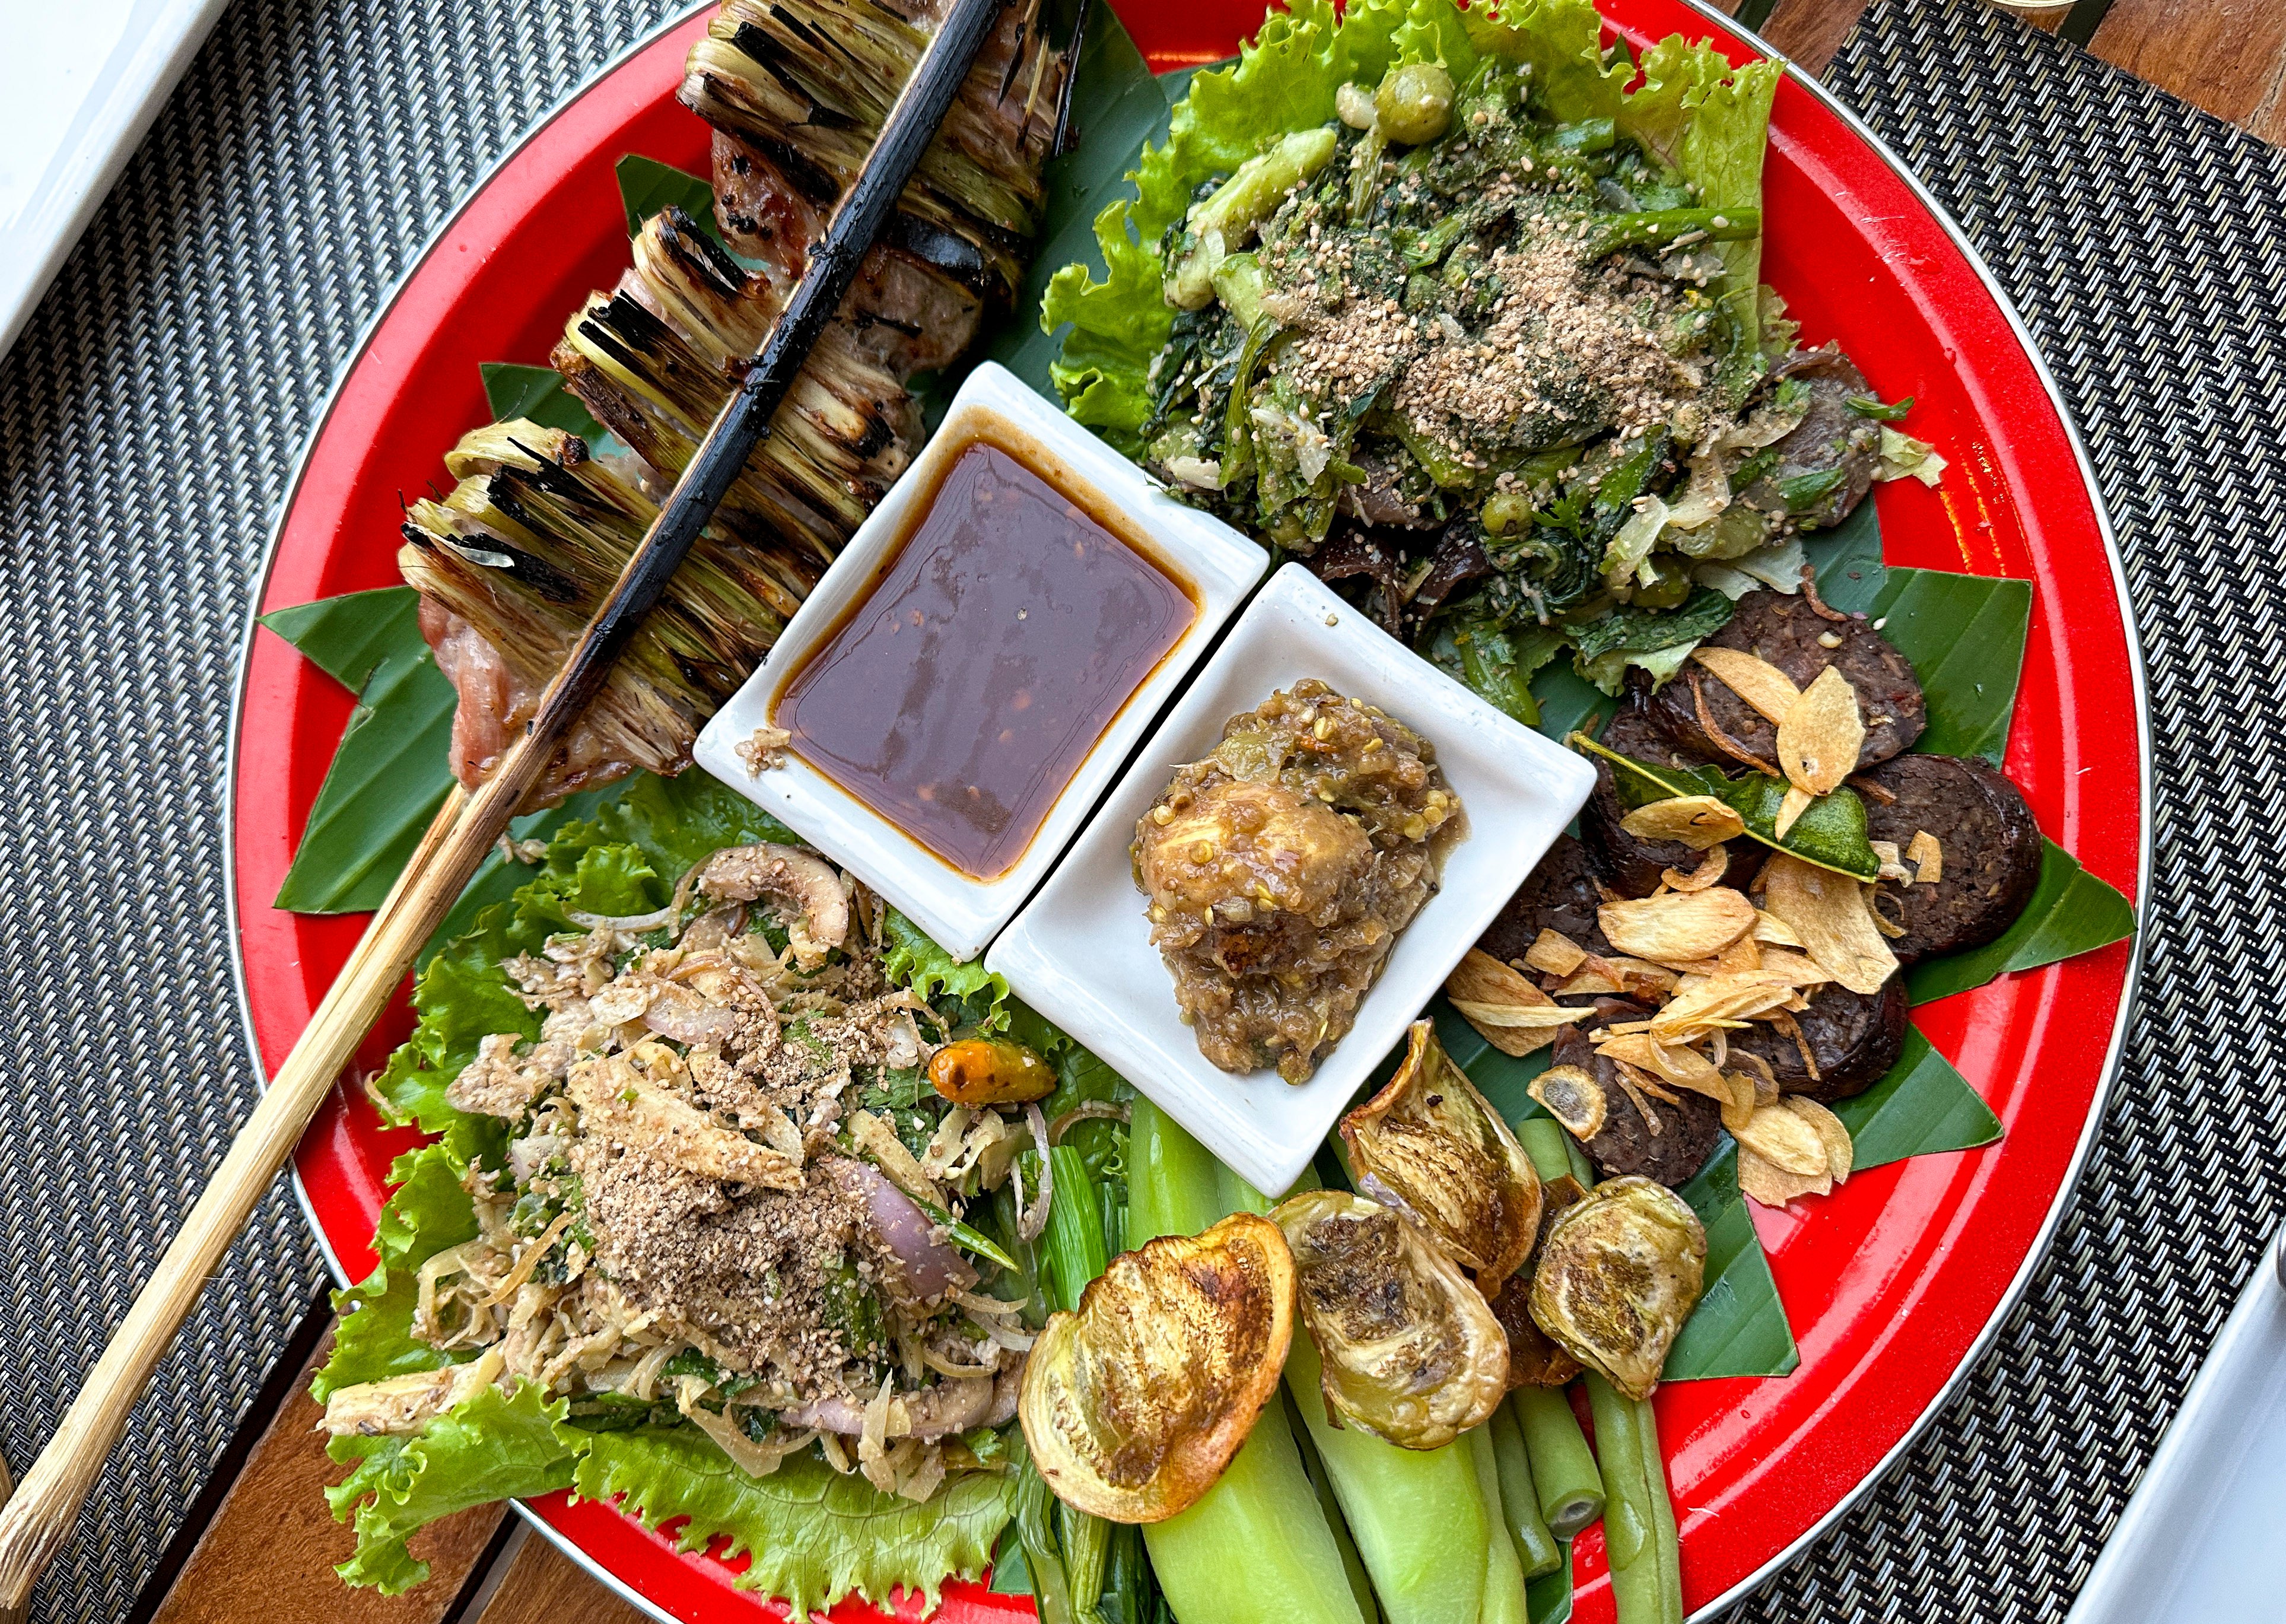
x: 1543, y: 1140
x: 1535, y: 1548
x: 1571, y: 1489
x: 1644, y: 1588
x: 1663, y: 1524
x: 1419, y: 1521
x: 1503, y: 1601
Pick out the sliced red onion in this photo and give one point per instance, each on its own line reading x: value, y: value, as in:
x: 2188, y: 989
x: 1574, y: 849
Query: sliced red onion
x: 930, y: 1268
x: 1087, y: 1110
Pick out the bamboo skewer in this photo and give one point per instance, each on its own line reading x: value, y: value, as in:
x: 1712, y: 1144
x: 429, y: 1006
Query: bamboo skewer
x: 40, y: 1514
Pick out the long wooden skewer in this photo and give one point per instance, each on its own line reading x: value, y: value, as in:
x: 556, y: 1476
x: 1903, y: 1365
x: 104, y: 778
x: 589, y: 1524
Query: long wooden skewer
x: 40, y: 1514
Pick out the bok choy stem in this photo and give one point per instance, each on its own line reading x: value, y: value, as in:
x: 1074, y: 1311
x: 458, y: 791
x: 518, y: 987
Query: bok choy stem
x: 1254, y: 1548
x: 1503, y: 1601
x: 1418, y: 1516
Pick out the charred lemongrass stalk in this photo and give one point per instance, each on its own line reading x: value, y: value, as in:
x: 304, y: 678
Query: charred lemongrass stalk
x: 1261, y: 1519
x: 797, y: 89
x: 656, y: 359
x: 522, y: 551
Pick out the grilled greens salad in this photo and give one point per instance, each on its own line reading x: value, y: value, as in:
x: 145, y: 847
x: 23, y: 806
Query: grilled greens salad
x: 1452, y: 305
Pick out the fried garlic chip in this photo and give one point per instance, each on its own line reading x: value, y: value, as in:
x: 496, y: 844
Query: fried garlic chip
x: 1431, y: 1140
x: 1753, y: 679
x: 1619, y: 1273
x: 1411, y: 1353
x: 1695, y: 821
x: 1679, y: 927
x: 1511, y: 1015
x: 1821, y: 735
x: 1831, y: 915
x: 1134, y: 1404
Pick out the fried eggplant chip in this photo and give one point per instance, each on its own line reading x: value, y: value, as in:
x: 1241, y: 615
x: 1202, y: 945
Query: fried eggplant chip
x: 1432, y: 1142
x: 1411, y: 1353
x: 1133, y: 1403
x: 1620, y: 1272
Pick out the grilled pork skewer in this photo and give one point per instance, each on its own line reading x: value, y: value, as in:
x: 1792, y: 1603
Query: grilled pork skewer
x: 37, y: 1518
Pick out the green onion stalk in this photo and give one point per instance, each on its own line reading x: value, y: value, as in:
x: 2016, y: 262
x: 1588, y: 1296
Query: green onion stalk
x: 1254, y: 1548
x: 1072, y: 1253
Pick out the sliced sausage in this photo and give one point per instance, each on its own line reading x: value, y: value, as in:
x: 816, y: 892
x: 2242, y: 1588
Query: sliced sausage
x: 1630, y: 865
x: 1832, y: 439
x: 1668, y: 1145
x: 1989, y: 851
x: 1786, y: 631
x: 1560, y: 894
x: 1853, y: 1038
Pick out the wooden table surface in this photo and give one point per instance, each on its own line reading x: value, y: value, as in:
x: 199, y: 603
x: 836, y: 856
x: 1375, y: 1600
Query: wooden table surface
x: 259, y: 1547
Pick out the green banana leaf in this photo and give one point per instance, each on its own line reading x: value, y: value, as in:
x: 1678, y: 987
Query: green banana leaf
x: 1963, y: 635
x: 1922, y: 1107
x: 647, y: 186
x: 389, y: 775
x: 1732, y: 1332
x: 2071, y: 913
x: 512, y: 391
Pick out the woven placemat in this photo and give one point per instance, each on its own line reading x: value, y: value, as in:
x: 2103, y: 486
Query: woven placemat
x: 149, y: 416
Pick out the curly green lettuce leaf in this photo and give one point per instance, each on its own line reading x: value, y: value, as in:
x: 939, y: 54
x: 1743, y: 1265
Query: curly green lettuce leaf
x: 427, y: 1211
x: 967, y: 994
x: 491, y: 1447
x: 1710, y: 122
x: 1283, y: 80
x: 814, y: 1535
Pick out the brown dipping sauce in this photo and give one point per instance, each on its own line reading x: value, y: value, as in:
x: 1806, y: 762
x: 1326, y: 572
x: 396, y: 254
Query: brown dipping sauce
x: 1000, y: 639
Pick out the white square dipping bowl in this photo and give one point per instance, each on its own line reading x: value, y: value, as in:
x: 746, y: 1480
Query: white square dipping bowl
x: 1081, y: 954
x: 961, y: 911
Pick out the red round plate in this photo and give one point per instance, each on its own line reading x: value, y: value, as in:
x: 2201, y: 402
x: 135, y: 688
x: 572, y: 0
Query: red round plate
x: 1892, y: 1284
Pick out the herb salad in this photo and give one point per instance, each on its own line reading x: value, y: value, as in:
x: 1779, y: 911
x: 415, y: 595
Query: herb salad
x: 1433, y: 300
